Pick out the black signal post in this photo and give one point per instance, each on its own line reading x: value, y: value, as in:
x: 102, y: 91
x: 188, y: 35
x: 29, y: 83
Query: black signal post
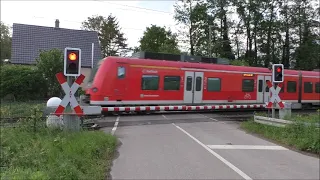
x: 277, y: 73
x: 72, y: 61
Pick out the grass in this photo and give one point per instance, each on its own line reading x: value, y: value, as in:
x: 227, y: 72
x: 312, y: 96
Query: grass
x: 54, y: 154
x: 19, y: 109
x: 310, y: 118
x: 297, y: 135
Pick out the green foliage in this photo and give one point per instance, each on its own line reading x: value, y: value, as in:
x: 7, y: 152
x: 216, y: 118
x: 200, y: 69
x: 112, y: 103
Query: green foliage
x: 23, y: 82
x: 5, y: 42
x: 52, y: 154
x: 308, y: 50
x: 297, y: 135
x: 158, y: 39
x: 192, y: 15
x: 49, y: 64
x: 112, y: 40
x: 239, y: 63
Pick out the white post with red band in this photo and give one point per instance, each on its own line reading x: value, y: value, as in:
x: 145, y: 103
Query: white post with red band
x: 69, y: 97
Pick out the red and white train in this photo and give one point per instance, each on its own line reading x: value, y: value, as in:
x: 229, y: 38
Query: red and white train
x: 120, y: 81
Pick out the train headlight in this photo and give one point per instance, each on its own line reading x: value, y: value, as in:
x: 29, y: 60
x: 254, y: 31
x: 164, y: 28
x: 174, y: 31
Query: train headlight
x: 95, y: 89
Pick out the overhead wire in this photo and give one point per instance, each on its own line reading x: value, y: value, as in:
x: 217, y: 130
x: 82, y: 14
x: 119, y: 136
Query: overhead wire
x: 142, y: 8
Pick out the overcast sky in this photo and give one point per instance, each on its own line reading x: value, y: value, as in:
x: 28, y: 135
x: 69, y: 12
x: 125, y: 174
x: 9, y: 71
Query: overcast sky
x: 133, y: 16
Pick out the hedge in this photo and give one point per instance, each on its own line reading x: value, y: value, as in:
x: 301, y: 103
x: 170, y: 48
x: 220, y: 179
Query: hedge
x: 23, y: 82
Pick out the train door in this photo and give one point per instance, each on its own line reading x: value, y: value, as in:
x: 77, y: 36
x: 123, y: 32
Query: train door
x: 263, y: 94
x: 188, y: 87
x: 198, y: 87
x: 121, y: 82
x: 266, y: 89
x: 193, y: 87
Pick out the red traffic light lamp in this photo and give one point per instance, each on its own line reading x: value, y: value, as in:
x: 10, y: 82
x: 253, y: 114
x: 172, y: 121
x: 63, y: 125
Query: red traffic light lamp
x: 279, y: 69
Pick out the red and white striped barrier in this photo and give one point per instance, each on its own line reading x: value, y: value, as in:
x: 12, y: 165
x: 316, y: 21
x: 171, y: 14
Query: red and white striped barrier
x: 69, y: 97
x: 180, y: 108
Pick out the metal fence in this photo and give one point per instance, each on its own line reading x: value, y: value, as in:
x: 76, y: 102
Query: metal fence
x: 21, y: 109
x: 27, y: 114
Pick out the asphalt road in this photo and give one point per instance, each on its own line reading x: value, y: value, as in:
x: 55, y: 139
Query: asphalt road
x: 196, y: 146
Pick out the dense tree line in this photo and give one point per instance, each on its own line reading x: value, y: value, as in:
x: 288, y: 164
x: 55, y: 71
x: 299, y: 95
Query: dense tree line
x: 252, y: 32
x: 256, y: 31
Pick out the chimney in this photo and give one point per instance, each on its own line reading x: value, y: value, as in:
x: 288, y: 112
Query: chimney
x: 57, y: 23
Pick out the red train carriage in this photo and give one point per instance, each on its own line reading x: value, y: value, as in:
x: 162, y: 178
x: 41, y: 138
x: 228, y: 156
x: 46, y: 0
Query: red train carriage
x: 129, y: 81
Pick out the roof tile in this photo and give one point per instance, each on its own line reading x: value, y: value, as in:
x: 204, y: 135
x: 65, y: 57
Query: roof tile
x: 28, y: 40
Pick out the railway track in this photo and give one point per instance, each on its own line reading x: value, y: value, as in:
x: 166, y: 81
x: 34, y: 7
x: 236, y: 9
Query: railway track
x: 223, y: 115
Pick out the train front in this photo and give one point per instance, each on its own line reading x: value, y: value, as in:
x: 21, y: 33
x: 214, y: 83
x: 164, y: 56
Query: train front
x: 93, y: 91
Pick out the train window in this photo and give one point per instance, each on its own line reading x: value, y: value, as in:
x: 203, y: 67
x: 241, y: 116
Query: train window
x: 291, y: 87
x: 150, y: 82
x: 317, y: 87
x: 260, y: 85
x: 198, y: 83
x: 189, y: 83
x: 121, y: 72
x: 247, y: 85
x: 171, y: 83
x: 214, y: 84
x: 308, y: 87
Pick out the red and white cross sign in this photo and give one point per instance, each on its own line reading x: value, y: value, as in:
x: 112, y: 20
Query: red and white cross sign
x: 275, y: 95
x: 69, y: 97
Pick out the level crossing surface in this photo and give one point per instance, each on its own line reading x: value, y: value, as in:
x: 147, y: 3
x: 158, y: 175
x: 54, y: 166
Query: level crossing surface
x: 201, y: 149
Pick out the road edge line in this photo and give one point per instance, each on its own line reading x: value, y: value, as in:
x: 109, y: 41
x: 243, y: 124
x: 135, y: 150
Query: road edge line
x: 115, y: 126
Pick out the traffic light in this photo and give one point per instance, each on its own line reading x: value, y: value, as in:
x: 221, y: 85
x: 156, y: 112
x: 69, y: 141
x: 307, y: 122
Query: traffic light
x: 72, y: 61
x: 277, y: 73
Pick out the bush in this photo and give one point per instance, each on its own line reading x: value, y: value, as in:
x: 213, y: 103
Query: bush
x: 23, y: 82
x: 49, y: 64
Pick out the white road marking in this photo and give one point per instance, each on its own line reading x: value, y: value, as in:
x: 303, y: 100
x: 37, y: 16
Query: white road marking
x: 237, y: 170
x: 257, y: 147
x: 115, y: 126
x: 164, y: 117
x: 209, y: 117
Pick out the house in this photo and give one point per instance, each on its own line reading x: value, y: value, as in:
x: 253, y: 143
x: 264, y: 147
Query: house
x: 28, y: 40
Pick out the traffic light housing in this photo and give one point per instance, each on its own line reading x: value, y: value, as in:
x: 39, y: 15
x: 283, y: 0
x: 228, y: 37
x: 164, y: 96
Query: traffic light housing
x: 72, y: 61
x: 277, y: 73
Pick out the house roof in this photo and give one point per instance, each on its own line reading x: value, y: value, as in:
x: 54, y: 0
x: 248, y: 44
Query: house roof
x: 28, y: 40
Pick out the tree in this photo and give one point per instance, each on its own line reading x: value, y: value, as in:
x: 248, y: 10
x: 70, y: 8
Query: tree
x: 158, y: 39
x: 49, y: 64
x: 5, y: 42
x: 191, y: 14
x: 112, y: 40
